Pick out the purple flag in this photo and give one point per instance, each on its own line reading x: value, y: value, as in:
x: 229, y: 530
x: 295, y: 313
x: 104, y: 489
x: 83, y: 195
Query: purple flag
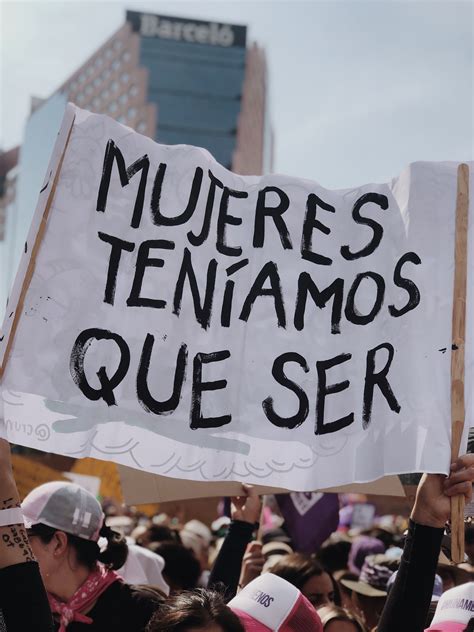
x: 310, y: 518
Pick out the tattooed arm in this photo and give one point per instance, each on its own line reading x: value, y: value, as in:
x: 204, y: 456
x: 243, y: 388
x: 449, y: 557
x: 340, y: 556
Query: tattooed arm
x: 23, y: 600
x: 14, y: 545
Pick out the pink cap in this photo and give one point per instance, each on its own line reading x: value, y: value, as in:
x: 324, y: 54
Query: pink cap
x: 447, y: 626
x: 271, y: 604
x: 454, y: 610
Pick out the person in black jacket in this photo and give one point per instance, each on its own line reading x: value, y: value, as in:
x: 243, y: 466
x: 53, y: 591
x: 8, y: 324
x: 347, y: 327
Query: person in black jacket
x: 409, y: 599
x: 227, y: 568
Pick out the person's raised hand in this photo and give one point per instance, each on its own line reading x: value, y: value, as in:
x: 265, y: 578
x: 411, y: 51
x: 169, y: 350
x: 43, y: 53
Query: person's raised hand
x: 252, y: 563
x: 248, y: 506
x: 432, y: 506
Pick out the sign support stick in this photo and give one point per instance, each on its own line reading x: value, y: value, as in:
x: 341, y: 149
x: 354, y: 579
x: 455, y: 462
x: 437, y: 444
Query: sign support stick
x: 457, y: 354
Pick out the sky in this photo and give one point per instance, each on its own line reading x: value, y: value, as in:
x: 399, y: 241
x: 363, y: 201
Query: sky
x: 358, y: 89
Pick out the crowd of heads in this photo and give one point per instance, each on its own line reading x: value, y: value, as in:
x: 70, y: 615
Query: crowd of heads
x: 341, y: 587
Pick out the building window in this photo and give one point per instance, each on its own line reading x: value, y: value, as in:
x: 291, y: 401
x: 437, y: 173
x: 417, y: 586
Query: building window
x: 113, y: 107
x: 108, y: 53
x: 97, y: 82
x: 98, y: 61
x: 133, y: 91
x: 125, y: 77
x: 123, y: 98
x: 105, y: 95
x: 122, y: 119
x: 116, y: 64
x: 82, y: 77
x: 132, y: 112
x: 141, y: 127
x: 88, y: 89
x: 126, y: 56
x: 106, y: 74
x: 96, y: 102
x: 80, y: 98
x: 89, y: 71
x: 114, y: 86
x: 117, y: 44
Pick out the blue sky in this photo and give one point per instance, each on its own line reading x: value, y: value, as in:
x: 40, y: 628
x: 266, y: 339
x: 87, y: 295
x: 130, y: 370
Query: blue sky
x: 358, y: 89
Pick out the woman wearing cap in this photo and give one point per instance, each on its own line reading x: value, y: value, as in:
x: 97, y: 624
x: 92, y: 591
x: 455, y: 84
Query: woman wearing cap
x: 64, y: 523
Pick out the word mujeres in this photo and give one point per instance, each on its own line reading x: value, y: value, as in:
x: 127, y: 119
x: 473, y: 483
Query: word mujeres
x: 267, y: 282
x: 268, y: 216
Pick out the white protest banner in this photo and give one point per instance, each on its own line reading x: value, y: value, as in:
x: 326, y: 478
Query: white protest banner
x: 186, y: 321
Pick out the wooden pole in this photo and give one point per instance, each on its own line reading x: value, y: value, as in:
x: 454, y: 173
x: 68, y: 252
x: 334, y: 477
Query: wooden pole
x: 457, y: 354
x: 260, y: 524
x: 34, y: 253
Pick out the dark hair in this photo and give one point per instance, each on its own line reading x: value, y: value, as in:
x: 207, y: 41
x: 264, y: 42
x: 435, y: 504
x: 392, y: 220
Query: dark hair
x: 194, y: 609
x: 469, y: 534
x: 470, y: 625
x: 298, y: 568
x: 182, y: 568
x: 158, y: 533
x: 334, y: 555
x: 87, y: 551
x: 431, y: 613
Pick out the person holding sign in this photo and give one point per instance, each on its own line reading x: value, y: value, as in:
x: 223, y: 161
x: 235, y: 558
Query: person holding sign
x: 59, y: 551
x: 409, y: 599
x: 23, y: 600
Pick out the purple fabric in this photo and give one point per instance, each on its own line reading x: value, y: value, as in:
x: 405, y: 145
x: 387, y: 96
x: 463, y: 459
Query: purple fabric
x: 345, y: 516
x: 309, y: 518
x: 360, y: 549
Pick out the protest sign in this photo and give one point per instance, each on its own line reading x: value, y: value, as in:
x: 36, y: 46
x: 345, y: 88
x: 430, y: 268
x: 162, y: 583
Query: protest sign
x: 183, y: 320
x: 106, y: 472
x: 141, y: 487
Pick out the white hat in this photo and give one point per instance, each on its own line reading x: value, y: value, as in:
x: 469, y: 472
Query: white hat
x: 200, y: 529
x: 144, y: 567
x: 454, y: 610
x: 64, y: 506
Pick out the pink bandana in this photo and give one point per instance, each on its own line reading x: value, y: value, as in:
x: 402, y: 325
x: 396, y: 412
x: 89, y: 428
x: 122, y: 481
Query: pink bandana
x: 97, y: 582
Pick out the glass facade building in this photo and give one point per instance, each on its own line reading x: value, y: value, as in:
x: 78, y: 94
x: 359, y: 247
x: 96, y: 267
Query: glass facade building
x: 177, y: 80
x: 197, y: 93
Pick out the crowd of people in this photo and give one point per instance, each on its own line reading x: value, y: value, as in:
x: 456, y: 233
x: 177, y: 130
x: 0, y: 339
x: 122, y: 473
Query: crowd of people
x: 66, y: 566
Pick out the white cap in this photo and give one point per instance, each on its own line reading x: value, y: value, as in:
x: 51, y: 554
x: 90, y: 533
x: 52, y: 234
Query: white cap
x: 144, y: 567
x: 200, y: 529
x: 455, y: 608
x: 64, y: 506
x: 270, y: 603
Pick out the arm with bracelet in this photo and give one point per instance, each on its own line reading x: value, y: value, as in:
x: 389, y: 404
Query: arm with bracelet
x: 23, y: 600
